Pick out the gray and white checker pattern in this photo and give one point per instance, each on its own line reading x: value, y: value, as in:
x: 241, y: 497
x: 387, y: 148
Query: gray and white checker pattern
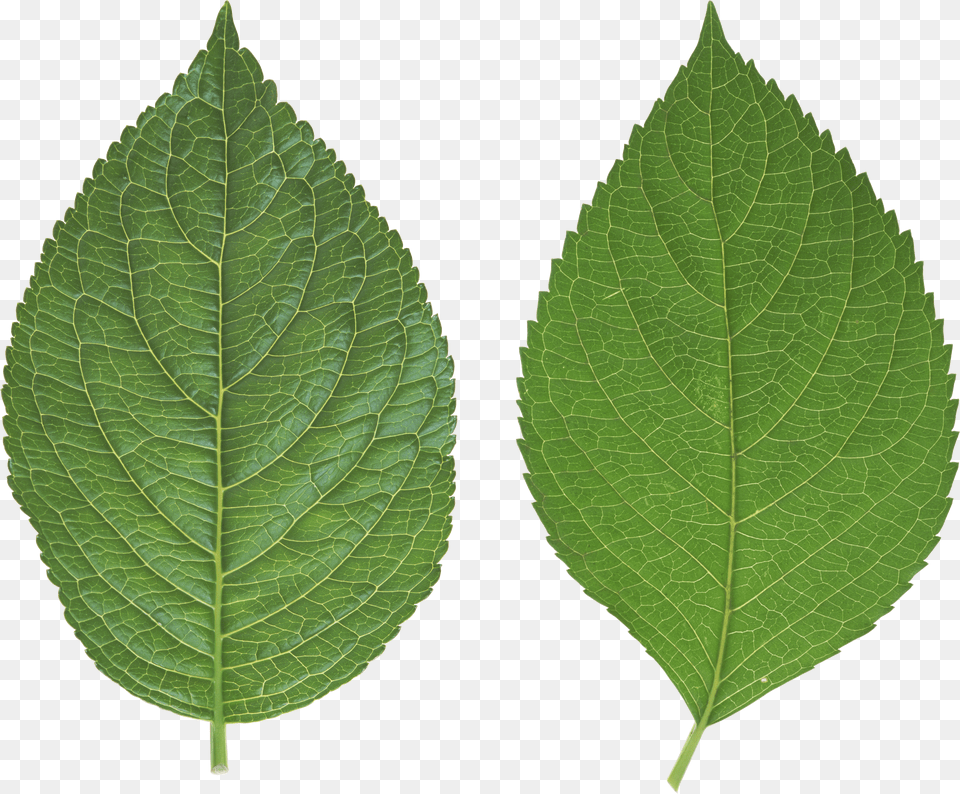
x: 479, y: 128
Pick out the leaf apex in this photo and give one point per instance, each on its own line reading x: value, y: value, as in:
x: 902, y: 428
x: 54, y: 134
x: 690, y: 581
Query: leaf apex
x: 712, y: 29
x: 224, y: 30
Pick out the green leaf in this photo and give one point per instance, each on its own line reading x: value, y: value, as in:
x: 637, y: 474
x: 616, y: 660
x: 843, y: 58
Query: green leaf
x: 230, y: 408
x: 736, y: 405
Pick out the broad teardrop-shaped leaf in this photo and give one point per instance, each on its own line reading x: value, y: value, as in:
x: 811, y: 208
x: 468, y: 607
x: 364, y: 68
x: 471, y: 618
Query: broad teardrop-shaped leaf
x: 736, y: 405
x: 230, y: 409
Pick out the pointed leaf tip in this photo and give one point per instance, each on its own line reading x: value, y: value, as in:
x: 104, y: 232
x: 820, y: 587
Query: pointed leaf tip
x: 224, y: 30
x: 712, y: 29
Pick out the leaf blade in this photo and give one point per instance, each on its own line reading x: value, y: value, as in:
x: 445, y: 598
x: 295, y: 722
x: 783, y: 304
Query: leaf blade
x: 227, y: 400
x: 735, y: 356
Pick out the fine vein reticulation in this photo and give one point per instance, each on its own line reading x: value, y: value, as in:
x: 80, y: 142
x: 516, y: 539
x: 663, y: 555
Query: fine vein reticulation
x: 736, y: 405
x: 230, y: 408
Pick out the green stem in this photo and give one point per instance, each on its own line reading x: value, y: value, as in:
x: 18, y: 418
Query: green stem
x: 689, y: 748
x: 218, y: 747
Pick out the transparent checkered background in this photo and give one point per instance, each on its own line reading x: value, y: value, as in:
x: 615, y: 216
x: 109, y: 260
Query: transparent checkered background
x: 479, y: 128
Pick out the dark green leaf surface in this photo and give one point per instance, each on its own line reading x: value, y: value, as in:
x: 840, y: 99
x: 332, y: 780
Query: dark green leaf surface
x: 229, y: 407
x: 736, y: 405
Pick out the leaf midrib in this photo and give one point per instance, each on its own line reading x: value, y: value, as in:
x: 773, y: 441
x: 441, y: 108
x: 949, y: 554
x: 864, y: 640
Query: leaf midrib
x: 728, y: 590
x: 218, y: 548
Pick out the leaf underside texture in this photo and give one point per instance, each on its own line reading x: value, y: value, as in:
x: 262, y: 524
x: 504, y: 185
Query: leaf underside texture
x: 736, y: 406
x: 230, y: 408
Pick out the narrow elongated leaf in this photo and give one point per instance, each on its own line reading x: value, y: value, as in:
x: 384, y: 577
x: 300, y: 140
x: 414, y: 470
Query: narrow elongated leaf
x: 736, y: 405
x: 230, y: 409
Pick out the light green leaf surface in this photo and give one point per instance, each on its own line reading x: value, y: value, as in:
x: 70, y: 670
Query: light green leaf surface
x: 230, y: 408
x: 736, y: 405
